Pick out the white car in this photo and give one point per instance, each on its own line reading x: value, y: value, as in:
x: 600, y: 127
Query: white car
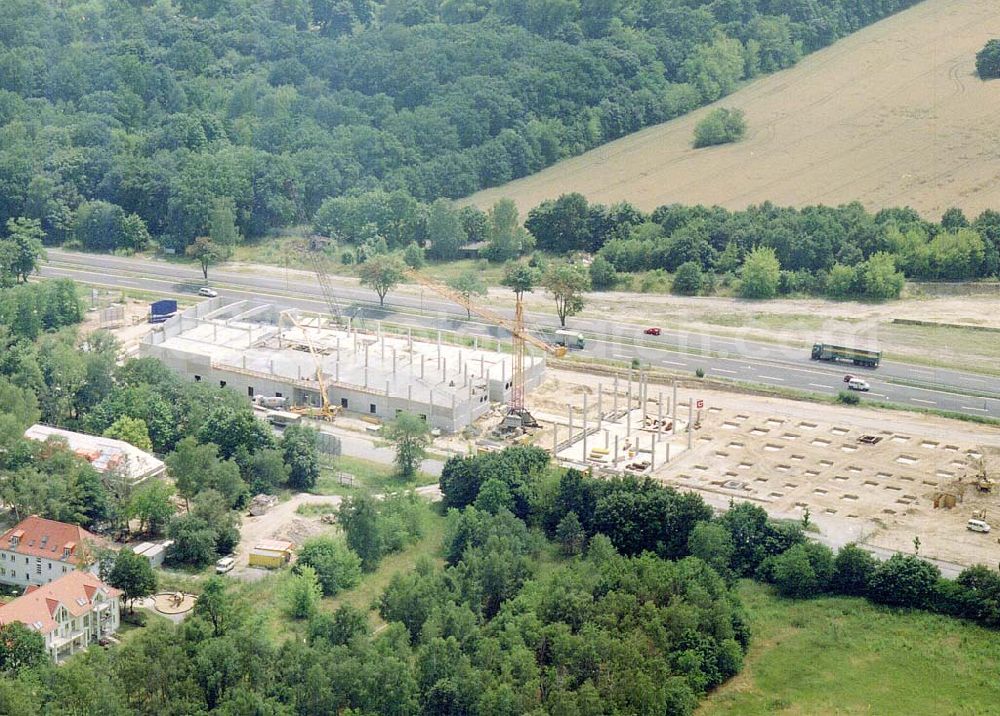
x: 224, y: 565
x: 208, y: 292
x: 858, y: 384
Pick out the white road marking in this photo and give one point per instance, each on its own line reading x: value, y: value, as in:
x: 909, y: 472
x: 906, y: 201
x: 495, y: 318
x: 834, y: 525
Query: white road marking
x: 921, y: 400
x: 722, y: 370
x: 981, y: 410
x: 771, y: 377
x: 878, y: 395
x: 672, y: 362
x: 817, y: 385
x: 621, y: 355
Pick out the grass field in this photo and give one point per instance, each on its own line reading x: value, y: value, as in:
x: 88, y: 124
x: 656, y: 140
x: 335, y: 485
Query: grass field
x: 845, y: 656
x: 892, y: 115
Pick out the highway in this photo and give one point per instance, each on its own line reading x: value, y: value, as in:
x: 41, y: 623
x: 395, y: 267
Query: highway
x: 735, y: 359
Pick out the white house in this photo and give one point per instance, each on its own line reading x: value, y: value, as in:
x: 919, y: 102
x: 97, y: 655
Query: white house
x: 39, y: 551
x: 71, y: 613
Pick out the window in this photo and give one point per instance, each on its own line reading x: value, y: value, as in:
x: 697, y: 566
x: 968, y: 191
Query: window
x: 371, y: 408
x: 64, y: 569
x: 2, y: 571
x: 197, y: 379
x: 343, y: 403
x: 278, y: 395
x: 250, y: 390
x: 38, y: 565
x: 222, y: 384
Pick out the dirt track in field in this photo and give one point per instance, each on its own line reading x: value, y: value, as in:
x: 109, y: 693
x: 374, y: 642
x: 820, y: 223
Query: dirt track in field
x: 893, y: 115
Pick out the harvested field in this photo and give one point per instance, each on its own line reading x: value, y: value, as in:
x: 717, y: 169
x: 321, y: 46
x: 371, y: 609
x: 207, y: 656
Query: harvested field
x: 890, y: 116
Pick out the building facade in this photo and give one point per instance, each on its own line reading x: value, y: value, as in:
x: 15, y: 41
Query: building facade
x: 38, y: 551
x: 72, y: 612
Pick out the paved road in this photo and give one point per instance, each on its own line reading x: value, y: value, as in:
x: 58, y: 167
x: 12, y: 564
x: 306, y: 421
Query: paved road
x: 721, y: 357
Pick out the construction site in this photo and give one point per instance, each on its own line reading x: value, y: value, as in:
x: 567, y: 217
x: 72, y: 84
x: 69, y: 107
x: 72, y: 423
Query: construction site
x: 311, y: 363
x: 891, y: 482
x: 850, y: 473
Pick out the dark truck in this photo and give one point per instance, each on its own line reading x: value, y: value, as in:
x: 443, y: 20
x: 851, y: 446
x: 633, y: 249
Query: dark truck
x: 858, y: 356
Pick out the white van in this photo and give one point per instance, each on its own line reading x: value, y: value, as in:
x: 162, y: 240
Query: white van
x: 858, y: 384
x: 224, y: 565
x: 977, y: 526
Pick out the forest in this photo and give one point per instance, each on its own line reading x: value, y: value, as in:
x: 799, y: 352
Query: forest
x: 125, y: 121
x: 767, y: 250
x: 555, y: 593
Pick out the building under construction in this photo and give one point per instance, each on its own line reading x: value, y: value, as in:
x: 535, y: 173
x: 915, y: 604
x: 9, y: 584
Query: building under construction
x: 259, y: 349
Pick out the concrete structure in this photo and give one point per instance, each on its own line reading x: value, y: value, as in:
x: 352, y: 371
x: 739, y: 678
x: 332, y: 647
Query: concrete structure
x: 271, y: 554
x: 38, y: 551
x: 102, y: 453
x: 71, y: 613
x: 257, y: 349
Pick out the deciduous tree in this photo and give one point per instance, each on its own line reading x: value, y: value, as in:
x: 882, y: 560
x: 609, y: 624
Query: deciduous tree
x: 382, y: 273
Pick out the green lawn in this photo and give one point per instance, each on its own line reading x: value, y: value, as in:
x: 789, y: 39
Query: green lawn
x: 845, y: 656
x: 370, y: 476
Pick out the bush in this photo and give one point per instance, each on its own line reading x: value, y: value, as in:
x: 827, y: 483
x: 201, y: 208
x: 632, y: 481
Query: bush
x: 602, y: 273
x: 903, y: 581
x: 337, y: 567
x: 988, y: 61
x: 760, y: 274
x: 720, y: 126
x: 687, y: 279
x: 852, y: 571
x: 848, y: 398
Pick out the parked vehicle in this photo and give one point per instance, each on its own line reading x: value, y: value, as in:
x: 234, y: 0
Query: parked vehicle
x: 207, y: 292
x: 224, y: 565
x: 654, y: 331
x: 978, y: 525
x: 570, y: 339
x: 858, y: 356
x: 858, y: 384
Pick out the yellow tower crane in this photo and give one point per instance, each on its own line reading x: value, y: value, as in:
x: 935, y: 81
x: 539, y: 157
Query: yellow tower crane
x: 517, y: 416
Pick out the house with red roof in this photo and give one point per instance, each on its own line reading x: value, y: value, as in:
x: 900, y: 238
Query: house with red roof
x: 71, y: 612
x: 39, y: 551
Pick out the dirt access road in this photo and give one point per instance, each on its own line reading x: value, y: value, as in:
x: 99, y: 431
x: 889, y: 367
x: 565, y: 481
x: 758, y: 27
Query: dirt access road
x: 893, y: 115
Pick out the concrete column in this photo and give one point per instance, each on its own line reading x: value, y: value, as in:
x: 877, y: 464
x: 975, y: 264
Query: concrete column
x: 642, y: 391
x: 667, y: 456
x: 338, y: 347
x: 570, y: 408
x: 378, y: 328
x: 607, y: 437
x: 270, y: 366
x: 300, y: 372
x: 628, y: 420
x: 673, y: 428
x: 387, y: 389
x: 616, y: 448
x: 482, y: 366
x: 394, y: 360
x: 244, y: 362
x: 366, y: 376
x: 652, y: 452
x: 336, y: 372
x: 422, y: 367
x: 659, y: 414
x: 215, y: 332
x: 444, y: 368
x: 383, y: 347
x: 615, y: 398
x: 465, y: 376
x: 555, y: 438
x: 628, y: 394
x: 409, y: 397
x: 585, y: 453
x: 600, y: 396
x: 366, y: 354
x: 690, y: 427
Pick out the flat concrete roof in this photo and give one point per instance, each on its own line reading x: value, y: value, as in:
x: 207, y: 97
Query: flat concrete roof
x: 258, y: 337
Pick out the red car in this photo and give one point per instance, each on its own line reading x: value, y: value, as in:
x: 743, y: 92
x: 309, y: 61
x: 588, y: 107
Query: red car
x: 652, y: 331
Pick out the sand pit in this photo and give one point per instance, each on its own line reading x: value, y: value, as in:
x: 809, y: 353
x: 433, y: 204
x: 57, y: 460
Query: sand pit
x: 171, y: 603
